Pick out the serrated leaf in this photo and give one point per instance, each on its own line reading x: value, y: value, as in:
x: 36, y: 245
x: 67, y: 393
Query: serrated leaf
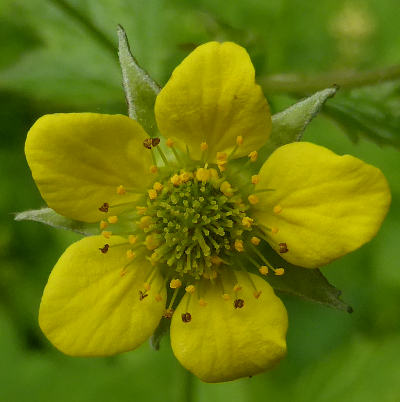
x: 52, y: 218
x: 289, y: 125
x: 308, y: 284
x: 373, y: 113
x: 140, y: 89
x: 161, y: 330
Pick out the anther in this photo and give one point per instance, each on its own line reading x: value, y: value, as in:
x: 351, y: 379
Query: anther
x: 279, y: 271
x: 190, y: 289
x: 257, y: 293
x: 155, y: 141
x: 153, y: 169
x: 152, y: 194
x: 237, y: 288
x: 274, y: 230
x: 130, y: 254
x: 239, y: 245
x: 238, y: 303
x: 132, y: 239
x: 253, y: 155
x: 105, y: 248
x: 175, y: 180
x: 226, y: 297
x: 277, y: 209
x: 222, y: 156
x: 157, y: 186
x: 113, y: 219
x: 147, y: 286
x: 226, y: 189
x: 147, y: 143
x: 255, y: 240
x: 141, y: 210
x: 255, y: 179
x: 247, y: 222
x: 145, y: 222
x: 202, y: 303
x: 168, y: 313
x: 204, y: 146
x: 203, y: 175
x: 158, y: 297
x: 175, y: 283
x: 186, y: 317
x: 104, y: 207
x: 106, y: 234
x: 170, y: 143
x: 263, y: 270
x: 239, y: 140
x: 152, y: 242
x: 253, y: 199
x: 103, y: 225
x: 283, y: 248
x: 216, y: 260
x: 142, y: 295
x: 121, y: 190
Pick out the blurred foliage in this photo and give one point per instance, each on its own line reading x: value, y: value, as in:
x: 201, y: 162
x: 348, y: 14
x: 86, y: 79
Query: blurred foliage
x: 51, y: 61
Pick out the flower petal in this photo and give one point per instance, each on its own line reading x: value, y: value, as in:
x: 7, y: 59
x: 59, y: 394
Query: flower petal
x: 91, y: 305
x: 221, y: 342
x: 79, y: 159
x: 326, y: 205
x: 212, y: 97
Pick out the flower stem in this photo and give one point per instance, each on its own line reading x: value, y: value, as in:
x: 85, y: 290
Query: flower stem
x: 188, y: 387
x: 307, y: 83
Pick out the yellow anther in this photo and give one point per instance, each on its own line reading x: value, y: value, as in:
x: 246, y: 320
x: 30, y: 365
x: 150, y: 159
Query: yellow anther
x: 152, y: 242
x: 239, y: 245
x: 121, y: 190
x: 239, y: 140
x: 263, y: 270
x: 253, y: 199
x: 147, y: 286
x: 216, y: 260
x: 157, y: 186
x: 103, y: 225
x: 255, y: 179
x: 106, y: 234
x: 132, y: 239
x: 226, y: 189
x: 154, y: 258
x: 255, y: 240
x: 237, y: 288
x: 210, y: 275
x: 203, y: 175
x: 153, y: 169
x: 213, y: 173
x: 253, y: 155
x: 204, y: 146
x: 241, y: 206
x: 158, y: 297
x: 222, y: 157
x: 176, y: 180
x: 247, y: 222
x: 175, y: 283
x: 257, y: 293
x: 185, y: 176
x: 112, y: 219
x: 141, y: 210
x: 130, y: 254
x: 225, y: 296
x: 277, y: 209
x: 152, y: 194
x: 202, y: 303
x: 274, y: 230
x: 222, y: 166
x: 279, y: 271
x: 145, y: 222
x: 170, y: 143
x: 190, y: 289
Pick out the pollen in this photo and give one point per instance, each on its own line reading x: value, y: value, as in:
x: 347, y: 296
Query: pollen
x: 175, y: 283
x: 239, y: 140
x: 130, y: 254
x: 253, y: 199
x: 277, y: 209
x: 279, y: 271
x: 204, y: 146
x: 157, y: 186
x: 221, y: 165
x: 103, y: 225
x: 190, y: 289
x: 255, y: 179
x: 113, y: 219
x: 170, y: 143
x: 132, y: 239
x: 247, y: 222
x: 263, y: 270
x: 255, y: 240
x: 176, y: 180
x: 121, y: 190
x: 203, y: 175
x: 153, y: 169
x: 185, y: 177
x: 152, y: 194
x: 239, y: 245
x: 107, y: 234
x: 253, y: 155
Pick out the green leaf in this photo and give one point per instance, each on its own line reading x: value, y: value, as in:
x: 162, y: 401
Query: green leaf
x: 308, y: 284
x: 140, y: 89
x: 52, y: 218
x: 161, y: 330
x: 289, y: 125
x: 373, y: 113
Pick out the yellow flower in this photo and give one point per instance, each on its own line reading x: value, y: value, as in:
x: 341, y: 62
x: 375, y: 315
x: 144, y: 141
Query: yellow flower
x: 100, y: 302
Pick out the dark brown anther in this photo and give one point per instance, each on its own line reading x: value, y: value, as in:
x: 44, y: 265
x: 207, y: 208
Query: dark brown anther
x: 238, y: 303
x: 105, y: 248
x: 155, y: 141
x: 283, y: 248
x: 168, y: 313
x: 142, y: 295
x: 186, y: 317
x: 104, y: 207
x: 147, y: 143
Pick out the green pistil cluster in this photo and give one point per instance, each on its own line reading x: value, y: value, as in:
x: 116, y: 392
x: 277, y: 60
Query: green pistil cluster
x: 193, y: 225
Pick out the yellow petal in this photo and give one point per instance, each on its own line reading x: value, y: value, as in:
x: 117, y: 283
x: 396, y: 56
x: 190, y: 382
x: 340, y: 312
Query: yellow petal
x: 212, y: 97
x: 221, y: 342
x: 91, y: 306
x: 324, y: 205
x: 78, y: 160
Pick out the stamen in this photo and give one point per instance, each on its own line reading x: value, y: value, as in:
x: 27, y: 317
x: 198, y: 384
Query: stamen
x: 226, y: 297
x: 253, y: 155
x: 105, y: 248
x: 190, y: 289
x: 153, y: 169
x: 175, y: 283
x: 103, y: 225
x: 277, y: 209
x: 226, y: 189
x: 255, y: 179
x: 239, y: 140
x: 263, y: 270
x: 255, y: 240
x: 130, y: 254
x: 239, y: 245
x: 186, y: 317
x: 121, y: 190
x: 274, y: 230
x: 204, y: 146
x: 107, y: 234
x: 237, y: 288
x: 132, y: 239
x: 147, y: 143
x: 152, y: 194
x: 279, y: 271
x: 247, y: 222
x: 158, y: 297
x: 112, y: 219
x: 157, y: 186
x: 142, y: 295
x: 104, y: 207
x: 202, y: 303
x: 203, y: 175
x: 253, y: 199
x: 152, y: 241
x: 238, y: 303
x: 155, y: 141
x: 170, y: 143
x: 283, y: 248
x: 141, y: 210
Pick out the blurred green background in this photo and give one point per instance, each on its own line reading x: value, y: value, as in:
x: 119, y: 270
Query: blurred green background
x: 51, y: 61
